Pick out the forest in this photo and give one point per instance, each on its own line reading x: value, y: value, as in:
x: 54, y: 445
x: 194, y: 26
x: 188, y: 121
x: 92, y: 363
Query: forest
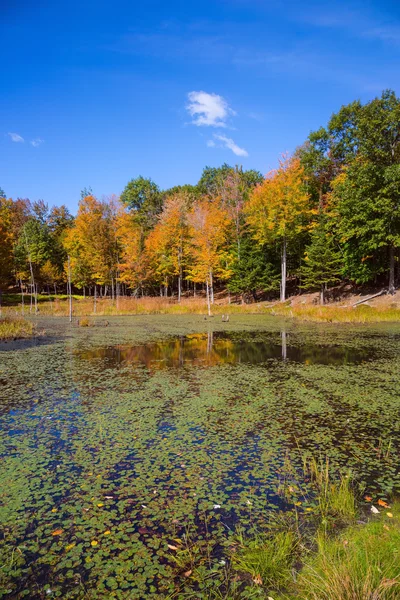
x: 330, y: 212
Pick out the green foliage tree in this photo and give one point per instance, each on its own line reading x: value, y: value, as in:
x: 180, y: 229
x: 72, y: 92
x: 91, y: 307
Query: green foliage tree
x: 255, y: 269
x: 322, y: 262
x: 143, y: 197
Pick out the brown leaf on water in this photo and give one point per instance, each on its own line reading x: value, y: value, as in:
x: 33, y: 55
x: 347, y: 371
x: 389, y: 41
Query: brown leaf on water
x: 188, y: 573
x: 368, y: 498
x: 57, y: 532
x: 383, y: 503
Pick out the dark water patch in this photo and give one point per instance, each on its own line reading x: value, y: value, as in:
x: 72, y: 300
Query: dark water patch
x: 215, y: 348
x: 25, y: 343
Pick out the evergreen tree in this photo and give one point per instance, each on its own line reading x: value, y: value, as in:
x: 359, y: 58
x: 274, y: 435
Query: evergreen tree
x: 322, y: 262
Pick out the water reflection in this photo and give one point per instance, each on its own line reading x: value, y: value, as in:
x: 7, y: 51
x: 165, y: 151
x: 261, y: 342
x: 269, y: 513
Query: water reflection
x: 214, y: 348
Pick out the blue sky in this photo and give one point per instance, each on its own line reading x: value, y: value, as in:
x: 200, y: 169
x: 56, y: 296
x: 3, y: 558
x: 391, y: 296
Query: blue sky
x: 94, y: 93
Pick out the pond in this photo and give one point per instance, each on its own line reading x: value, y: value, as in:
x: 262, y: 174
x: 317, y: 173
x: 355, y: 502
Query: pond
x: 119, y: 444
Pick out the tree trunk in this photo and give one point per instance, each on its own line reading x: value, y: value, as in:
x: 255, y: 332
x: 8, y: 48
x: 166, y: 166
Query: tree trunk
x: 211, y: 287
x: 391, y: 270
x: 283, y: 271
x: 22, y: 294
x: 284, y: 345
x: 95, y: 299
x: 70, y: 289
x: 208, y: 298
x: 322, y: 295
x: 179, y: 289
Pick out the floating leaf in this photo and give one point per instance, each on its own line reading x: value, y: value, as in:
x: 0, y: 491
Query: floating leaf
x: 57, y: 532
x: 94, y: 543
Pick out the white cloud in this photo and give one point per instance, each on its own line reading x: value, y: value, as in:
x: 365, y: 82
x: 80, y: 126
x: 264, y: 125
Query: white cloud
x: 229, y: 143
x: 208, y: 109
x: 37, y: 142
x: 211, y: 143
x: 15, y: 137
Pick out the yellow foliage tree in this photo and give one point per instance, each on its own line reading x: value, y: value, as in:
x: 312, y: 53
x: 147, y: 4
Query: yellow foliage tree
x: 208, y: 229
x: 167, y: 243
x: 279, y: 209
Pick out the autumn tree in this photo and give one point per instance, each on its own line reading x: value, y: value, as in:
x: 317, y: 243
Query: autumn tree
x: 168, y: 242
x: 133, y: 262
x: 208, y: 231
x: 91, y: 243
x: 279, y: 209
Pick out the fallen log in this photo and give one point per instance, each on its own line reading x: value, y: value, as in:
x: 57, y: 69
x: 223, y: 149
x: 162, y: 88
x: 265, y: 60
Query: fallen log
x: 370, y: 298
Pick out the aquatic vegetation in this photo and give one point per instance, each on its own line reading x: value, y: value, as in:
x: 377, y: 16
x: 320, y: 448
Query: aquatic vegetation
x: 108, y: 459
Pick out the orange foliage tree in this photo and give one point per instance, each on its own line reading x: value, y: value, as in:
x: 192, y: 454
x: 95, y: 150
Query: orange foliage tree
x: 208, y: 229
x: 91, y: 243
x: 167, y: 243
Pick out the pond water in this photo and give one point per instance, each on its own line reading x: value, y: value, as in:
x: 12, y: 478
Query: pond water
x: 213, y: 348
x: 116, y: 443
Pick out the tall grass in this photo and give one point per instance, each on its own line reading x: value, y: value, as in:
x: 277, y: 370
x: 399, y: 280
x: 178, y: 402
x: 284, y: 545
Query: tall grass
x: 268, y: 559
x: 134, y: 306
x: 16, y: 328
x: 338, y: 314
x: 363, y: 563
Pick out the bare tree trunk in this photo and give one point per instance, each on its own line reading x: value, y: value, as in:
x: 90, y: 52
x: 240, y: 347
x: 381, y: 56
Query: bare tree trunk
x: 22, y: 296
x: 194, y: 289
x: 283, y: 271
x: 208, y: 298
x: 284, y: 345
x: 36, y: 295
x: 55, y: 290
x: 69, y: 289
x: 322, y: 294
x: 391, y: 270
x: 211, y: 287
x: 95, y: 299
x: 117, y: 290
x: 31, y: 270
x: 179, y: 288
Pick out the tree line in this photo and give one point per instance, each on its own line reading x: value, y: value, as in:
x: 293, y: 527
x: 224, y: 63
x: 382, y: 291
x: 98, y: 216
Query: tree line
x: 330, y: 212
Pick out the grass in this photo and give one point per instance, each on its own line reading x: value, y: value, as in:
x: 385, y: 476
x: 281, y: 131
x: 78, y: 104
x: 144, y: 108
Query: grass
x: 59, y: 306
x: 338, y: 314
x: 267, y: 559
x: 363, y: 563
x: 336, y: 499
x: 16, y: 328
